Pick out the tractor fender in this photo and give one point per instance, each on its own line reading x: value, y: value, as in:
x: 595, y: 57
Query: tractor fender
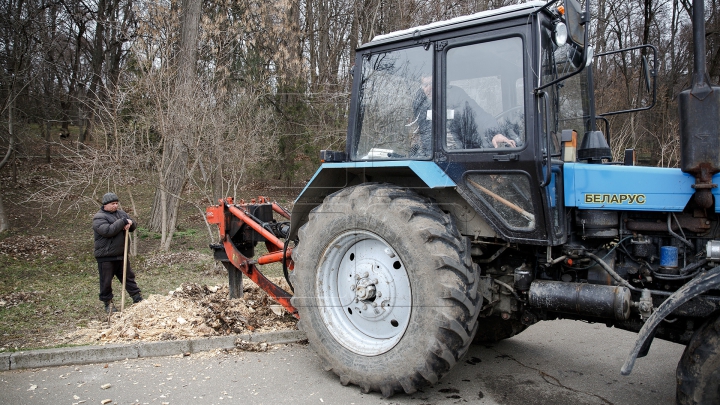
x: 699, y: 285
x: 332, y: 177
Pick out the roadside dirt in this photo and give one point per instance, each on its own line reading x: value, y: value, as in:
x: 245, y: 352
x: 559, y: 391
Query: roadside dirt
x: 190, y: 311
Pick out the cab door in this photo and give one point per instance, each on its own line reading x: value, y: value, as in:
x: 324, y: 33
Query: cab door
x: 490, y: 142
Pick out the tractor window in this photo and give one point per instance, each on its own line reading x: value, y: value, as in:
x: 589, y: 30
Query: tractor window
x: 569, y: 103
x: 508, y: 195
x: 395, y: 113
x: 484, y: 96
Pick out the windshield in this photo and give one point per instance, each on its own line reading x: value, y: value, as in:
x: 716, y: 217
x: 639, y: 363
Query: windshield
x: 568, y: 101
x: 387, y: 125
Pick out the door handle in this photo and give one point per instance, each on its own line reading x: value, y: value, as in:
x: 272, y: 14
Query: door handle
x: 506, y: 157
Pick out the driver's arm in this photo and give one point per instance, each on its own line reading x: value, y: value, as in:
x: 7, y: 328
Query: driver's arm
x: 497, y: 139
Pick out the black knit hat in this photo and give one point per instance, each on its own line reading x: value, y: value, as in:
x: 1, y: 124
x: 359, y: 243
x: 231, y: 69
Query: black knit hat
x: 109, y: 197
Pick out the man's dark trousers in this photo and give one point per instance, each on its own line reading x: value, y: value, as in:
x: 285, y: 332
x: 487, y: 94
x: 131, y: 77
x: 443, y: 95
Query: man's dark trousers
x: 115, y: 268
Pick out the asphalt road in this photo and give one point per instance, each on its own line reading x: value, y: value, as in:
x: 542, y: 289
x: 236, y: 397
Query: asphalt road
x: 559, y: 362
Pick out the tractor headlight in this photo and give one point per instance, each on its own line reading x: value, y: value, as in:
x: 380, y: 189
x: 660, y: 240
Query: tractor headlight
x: 560, y: 34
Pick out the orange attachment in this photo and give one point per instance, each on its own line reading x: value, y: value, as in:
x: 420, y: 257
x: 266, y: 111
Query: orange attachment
x: 255, y: 226
x: 280, y: 210
x: 273, y: 257
x: 220, y: 215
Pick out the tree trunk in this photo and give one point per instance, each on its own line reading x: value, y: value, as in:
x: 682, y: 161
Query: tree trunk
x: 188, y: 41
x: 136, y: 215
x: 173, y: 170
x: 98, y: 55
x: 48, y: 139
x: 171, y: 183
x: 4, y: 223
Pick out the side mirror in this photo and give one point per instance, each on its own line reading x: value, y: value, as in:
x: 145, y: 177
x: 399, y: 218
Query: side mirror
x: 575, y: 19
x: 578, y: 56
x: 626, y: 89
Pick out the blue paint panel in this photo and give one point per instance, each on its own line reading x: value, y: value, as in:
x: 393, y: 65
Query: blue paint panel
x: 428, y: 172
x: 635, y: 188
x: 716, y: 192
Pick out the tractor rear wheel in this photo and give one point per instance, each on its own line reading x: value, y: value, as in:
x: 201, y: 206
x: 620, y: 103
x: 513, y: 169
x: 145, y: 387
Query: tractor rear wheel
x: 698, y: 372
x: 385, y: 288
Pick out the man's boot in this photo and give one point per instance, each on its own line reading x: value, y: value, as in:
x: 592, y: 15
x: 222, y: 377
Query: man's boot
x: 136, y: 298
x: 109, y: 307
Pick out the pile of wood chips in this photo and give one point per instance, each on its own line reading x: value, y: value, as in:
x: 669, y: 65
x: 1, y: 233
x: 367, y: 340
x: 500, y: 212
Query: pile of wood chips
x: 191, y: 311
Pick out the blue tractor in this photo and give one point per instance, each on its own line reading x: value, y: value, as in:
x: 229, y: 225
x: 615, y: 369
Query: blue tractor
x: 476, y: 196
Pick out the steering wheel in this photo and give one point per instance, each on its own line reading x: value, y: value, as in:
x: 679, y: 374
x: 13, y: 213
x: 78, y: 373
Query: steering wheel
x: 509, y: 111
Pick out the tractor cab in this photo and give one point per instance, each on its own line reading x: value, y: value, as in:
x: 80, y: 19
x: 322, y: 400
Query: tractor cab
x: 478, y: 97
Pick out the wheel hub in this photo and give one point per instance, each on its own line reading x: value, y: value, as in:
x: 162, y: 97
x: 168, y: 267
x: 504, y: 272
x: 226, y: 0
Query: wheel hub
x: 367, y: 293
x: 365, y: 287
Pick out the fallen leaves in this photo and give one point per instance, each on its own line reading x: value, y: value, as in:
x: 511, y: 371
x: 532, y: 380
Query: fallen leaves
x: 16, y: 298
x: 28, y: 248
x: 162, y: 259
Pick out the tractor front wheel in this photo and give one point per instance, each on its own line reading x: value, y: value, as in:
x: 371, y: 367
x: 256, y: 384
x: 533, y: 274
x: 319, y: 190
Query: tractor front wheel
x: 385, y: 288
x: 698, y: 372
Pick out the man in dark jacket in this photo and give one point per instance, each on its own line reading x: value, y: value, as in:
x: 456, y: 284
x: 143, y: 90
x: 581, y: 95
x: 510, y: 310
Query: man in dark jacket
x: 109, y: 225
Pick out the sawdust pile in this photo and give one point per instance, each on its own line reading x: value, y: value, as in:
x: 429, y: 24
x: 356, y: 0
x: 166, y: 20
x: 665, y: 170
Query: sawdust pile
x: 191, y: 311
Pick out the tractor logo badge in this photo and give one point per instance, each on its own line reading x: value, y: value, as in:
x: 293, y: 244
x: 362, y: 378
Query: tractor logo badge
x: 615, y: 198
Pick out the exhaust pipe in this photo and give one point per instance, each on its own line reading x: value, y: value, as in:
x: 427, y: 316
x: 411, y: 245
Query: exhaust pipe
x: 603, y: 301
x: 700, y: 119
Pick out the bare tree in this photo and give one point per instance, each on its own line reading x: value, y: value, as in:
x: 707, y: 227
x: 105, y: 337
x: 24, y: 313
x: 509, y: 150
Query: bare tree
x: 4, y: 223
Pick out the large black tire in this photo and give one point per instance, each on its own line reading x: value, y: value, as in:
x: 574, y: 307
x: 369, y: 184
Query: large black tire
x: 698, y: 372
x: 494, y: 329
x: 413, y: 255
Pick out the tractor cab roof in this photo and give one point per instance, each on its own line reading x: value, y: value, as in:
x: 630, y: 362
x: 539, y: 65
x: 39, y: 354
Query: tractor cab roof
x: 456, y: 23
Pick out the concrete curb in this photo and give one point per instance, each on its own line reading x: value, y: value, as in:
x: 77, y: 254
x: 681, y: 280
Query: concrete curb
x: 5, y: 361
x: 116, y: 352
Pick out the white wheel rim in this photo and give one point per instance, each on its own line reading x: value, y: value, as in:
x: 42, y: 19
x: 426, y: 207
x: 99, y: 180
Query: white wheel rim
x: 352, y: 266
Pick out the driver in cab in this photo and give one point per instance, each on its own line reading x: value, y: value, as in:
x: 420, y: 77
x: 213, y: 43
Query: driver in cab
x: 469, y: 126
